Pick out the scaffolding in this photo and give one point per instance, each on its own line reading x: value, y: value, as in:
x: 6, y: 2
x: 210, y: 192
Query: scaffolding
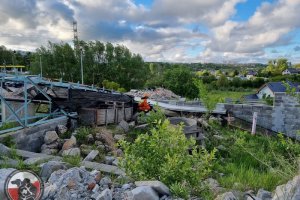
x: 20, y: 109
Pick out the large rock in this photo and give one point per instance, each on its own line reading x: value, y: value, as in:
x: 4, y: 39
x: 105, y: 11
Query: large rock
x: 91, y: 156
x: 158, y: 186
x: 4, y: 173
x: 50, y: 137
x: 264, y: 195
x: 142, y: 192
x: 123, y: 126
x: 109, y: 160
x: 71, y: 152
x: 4, y: 150
x: 290, y: 191
x: 226, y: 196
x: 119, y: 137
x: 105, y: 195
x: 50, y: 167
x: 61, y: 129
x: 70, y: 143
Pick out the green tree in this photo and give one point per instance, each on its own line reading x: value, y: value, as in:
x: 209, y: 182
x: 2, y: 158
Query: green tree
x: 179, y: 79
x: 208, y: 100
x: 222, y: 82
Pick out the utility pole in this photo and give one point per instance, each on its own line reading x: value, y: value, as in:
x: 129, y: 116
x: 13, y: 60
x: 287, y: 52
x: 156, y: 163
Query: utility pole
x: 75, y: 31
x: 41, y: 66
x: 81, y: 65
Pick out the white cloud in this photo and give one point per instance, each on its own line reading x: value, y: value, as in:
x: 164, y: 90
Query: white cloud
x: 166, y: 31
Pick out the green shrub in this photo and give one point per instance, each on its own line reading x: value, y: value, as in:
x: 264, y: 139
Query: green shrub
x: 153, y: 117
x: 163, y: 154
x: 179, y: 190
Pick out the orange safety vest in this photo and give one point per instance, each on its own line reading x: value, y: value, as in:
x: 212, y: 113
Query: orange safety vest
x: 144, y: 106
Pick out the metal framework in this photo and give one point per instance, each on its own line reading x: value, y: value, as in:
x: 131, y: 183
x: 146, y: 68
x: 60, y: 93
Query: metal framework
x: 19, y: 117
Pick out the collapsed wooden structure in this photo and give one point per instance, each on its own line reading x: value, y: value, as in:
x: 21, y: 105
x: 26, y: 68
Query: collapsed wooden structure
x: 31, y: 98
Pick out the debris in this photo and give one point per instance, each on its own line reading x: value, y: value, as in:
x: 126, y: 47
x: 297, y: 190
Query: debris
x: 157, y: 94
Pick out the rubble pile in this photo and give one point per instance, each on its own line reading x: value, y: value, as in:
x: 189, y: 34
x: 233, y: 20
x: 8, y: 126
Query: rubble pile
x: 156, y: 94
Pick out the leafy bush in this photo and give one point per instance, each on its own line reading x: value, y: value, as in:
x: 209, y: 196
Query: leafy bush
x: 163, y: 154
x: 153, y: 117
x: 179, y: 190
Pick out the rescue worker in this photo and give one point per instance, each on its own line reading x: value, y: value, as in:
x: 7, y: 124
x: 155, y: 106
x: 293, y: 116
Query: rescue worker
x: 144, y: 105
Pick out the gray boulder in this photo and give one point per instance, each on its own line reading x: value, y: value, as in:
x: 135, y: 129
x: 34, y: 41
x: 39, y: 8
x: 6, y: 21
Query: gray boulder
x: 71, y: 152
x: 226, y: 196
x: 158, y: 186
x: 123, y: 127
x: 142, y: 192
x: 105, y: 181
x: 119, y: 137
x: 61, y: 129
x: 50, y: 137
x: 109, y: 160
x: 290, y: 191
x: 91, y: 156
x: 50, y: 167
x: 264, y: 195
x: 105, y: 195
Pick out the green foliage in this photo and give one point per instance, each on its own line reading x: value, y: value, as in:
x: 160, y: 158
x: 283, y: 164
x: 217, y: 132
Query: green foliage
x: 253, y: 162
x: 292, y: 91
x: 275, y: 67
x: 269, y: 100
x: 118, y: 63
x: 222, y: 81
x: 82, y: 134
x: 179, y: 190
x: 72, y: 160
x: 179, y: 79
x: 8, y: 125
x: 8, y: 141
x: 163, y: 154
x: 208, y: 100
x: 153, y: 117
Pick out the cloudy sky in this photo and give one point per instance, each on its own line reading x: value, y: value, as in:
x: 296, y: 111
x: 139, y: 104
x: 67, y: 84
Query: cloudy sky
x: 161, y: 30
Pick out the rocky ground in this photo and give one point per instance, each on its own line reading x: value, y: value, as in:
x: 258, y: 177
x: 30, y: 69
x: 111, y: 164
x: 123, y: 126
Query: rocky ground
x: 98, y: 177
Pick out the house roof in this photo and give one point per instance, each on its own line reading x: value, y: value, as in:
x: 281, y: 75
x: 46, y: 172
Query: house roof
x: 279, y: 86
x: 293, y: 70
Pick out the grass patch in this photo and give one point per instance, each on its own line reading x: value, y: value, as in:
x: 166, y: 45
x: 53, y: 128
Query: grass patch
x: 8, y: 141
x: 72, y: 160
x: 222, y: 95
x: 254, y: 162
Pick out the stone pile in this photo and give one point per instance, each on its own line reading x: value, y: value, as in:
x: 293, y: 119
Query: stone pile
x: 78, y: 183
x: 156, y: 94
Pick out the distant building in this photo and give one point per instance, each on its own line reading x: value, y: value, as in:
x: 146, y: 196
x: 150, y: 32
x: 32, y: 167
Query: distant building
x: 251, y: 74
x: 269, y: 90
x: 290, y: 71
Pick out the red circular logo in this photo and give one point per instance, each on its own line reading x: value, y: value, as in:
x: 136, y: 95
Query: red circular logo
x: 24, y: 185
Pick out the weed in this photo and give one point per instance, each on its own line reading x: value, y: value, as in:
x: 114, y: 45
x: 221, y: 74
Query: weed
x: 8, y: 141
x: 72, y: 160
